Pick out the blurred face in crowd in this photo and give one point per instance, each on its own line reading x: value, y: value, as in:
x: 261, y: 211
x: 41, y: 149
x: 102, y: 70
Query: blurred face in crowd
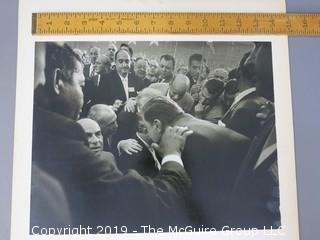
x: 260, y: 62
x: 102, y: 64
x: 93, y: 134
x: 154, y: 130
x: 153, y: 67
x: 109, y: 125
x: 123, y: 63
x: 178, y: 87
x: 140, y: 68
x: 195, y: 68
x: 166, y: 69
x: 111, y: 50
x: 70, y: 95
x: 183, y: 69
x: 94, y: 54
x: 204, y: 73
x: 205, y: 96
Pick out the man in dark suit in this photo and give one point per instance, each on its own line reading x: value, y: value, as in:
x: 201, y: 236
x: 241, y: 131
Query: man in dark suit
x: 92, y: 79
x: 89, y: 69
x: 212, y: 157
x: 146, y: 161
x: 96, y: 190
x: 241, y: 116
x: 167, y: 65
x: 119, y: 85
x: 255, y: 200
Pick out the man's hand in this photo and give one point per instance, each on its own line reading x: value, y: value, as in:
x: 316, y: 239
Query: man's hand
x: 172, y: 141
x: 129, y: 146
x: 265, y: 111
x: 130, y: 105
x: 199, y: 108
x: 117, y: 103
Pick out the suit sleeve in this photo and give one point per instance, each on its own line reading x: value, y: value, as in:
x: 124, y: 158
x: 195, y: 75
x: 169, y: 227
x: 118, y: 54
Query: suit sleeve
x: 130, y: 199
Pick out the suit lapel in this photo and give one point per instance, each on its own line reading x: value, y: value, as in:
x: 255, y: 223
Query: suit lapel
x: 225, y: 119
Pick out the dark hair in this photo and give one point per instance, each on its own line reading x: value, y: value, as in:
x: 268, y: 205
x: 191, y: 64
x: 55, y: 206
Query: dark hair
x: 196, y: 57
x: 231, y: 87
x: 127, y: 46
x: 161, y: 108
x: 233, y: 74
x: 215, y: 87
x: 207, y: 69
x: 168, y: 57
x: 117, y: 53
x: 62, y: 57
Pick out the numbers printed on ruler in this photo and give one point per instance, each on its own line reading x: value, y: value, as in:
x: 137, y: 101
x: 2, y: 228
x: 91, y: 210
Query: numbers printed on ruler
x: 199, y: 23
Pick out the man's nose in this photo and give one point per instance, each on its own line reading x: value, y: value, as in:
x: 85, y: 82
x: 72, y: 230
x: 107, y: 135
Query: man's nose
x: 94, y: 139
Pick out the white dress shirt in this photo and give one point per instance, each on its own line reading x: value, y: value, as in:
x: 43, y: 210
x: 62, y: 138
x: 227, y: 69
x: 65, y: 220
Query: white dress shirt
x: 124, y: 81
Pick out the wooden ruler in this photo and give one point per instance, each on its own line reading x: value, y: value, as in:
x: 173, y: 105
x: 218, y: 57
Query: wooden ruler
x: 77, y: 23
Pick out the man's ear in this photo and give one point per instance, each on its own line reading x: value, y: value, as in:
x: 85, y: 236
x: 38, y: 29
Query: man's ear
x: 158, y: 124
x: 57, y: 81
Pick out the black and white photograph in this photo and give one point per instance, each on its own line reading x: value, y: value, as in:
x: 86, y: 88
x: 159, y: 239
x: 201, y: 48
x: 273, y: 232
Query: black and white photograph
x: 153, y: 136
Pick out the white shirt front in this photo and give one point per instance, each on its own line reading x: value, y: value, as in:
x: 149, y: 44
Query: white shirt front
x: 124, y: 81
x: 91, y: 70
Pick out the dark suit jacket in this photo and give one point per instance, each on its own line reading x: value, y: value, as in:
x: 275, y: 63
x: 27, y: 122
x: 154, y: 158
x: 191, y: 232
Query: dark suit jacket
x: 212, y: 157
x: 86, y: 70
x: 49, y: 205
x: 242, y: 116
x: 255, y: 199
x: 111, y: 88
x: 142, y: 161
x: 98, y: 193
x: 89, y: 90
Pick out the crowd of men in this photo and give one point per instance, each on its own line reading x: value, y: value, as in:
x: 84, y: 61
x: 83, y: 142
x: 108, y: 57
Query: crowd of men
x: 125, y: 141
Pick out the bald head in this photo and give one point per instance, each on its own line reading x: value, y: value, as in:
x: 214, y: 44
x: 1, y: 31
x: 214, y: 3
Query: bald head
x: 178, y: 87
x: 145, y: 95
x: 105, y: 117
x: 93, y: 134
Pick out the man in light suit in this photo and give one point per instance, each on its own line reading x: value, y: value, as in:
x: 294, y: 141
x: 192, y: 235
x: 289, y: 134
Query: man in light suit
x: 212, y: 157
x: 177, y: 90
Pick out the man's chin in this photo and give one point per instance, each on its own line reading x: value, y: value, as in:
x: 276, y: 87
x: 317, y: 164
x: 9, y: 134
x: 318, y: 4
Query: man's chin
x: 96, y: 151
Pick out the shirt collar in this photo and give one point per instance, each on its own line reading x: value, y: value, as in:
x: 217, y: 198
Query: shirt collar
x: 144, y: 142
x: 123, y: 78
x: 243, y: 94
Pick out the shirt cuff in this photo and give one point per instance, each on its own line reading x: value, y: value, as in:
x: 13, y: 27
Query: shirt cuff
x: 172, y: 158
x: 221, y: 124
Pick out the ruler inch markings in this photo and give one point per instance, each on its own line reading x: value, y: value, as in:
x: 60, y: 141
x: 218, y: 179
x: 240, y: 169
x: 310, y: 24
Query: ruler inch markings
x: 52, y: 23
